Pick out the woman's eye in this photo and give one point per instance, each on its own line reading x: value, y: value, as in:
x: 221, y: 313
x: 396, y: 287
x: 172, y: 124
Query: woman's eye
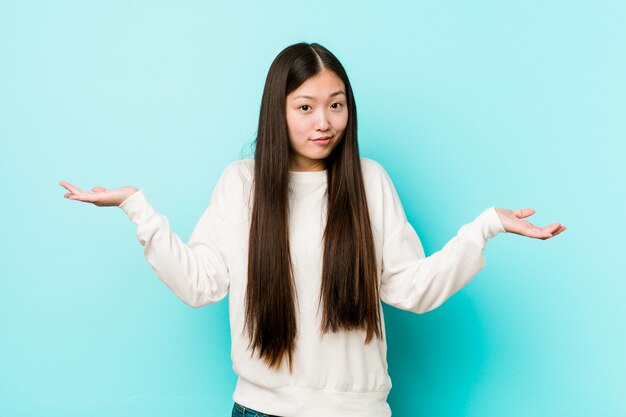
x: 339, y: 105
x: 305, y: 105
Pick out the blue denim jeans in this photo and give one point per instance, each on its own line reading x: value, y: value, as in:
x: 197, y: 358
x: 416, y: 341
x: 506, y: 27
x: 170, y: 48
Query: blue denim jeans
x: 241, y: 411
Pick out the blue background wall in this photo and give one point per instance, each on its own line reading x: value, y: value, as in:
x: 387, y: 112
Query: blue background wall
x: 466, y: 104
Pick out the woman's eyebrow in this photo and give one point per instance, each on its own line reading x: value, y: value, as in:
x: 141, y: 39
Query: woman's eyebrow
x: 336, y: 93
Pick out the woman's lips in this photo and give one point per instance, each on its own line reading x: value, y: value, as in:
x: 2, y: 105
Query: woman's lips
x: 322, y: 141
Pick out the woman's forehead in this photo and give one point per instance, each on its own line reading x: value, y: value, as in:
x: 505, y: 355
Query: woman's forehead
x: 322, y: 85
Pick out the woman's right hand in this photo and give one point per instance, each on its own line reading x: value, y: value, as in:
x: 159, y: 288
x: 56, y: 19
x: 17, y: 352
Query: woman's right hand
x: 101, y: 196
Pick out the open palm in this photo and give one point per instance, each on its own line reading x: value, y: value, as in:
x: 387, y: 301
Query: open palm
x: 513, y: 223
x: 100, y: 196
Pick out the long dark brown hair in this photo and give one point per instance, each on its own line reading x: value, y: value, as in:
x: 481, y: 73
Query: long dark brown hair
x: 349, y: 290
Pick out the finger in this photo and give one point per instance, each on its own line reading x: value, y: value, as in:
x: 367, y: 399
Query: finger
x: 537, y: 232
x: 547, y: 230
x: 84, y: 197
x: 98, y: 189
x: 542, y: 234
x: 70, y: 187
x: 553, y: 227
x: 526, y: 212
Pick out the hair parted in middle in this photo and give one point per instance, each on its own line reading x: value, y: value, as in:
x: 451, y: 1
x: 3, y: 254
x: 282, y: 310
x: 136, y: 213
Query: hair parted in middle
x: 349, y: 291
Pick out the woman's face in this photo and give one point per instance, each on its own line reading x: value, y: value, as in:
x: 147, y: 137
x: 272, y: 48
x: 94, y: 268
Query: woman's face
x: 317, y: 109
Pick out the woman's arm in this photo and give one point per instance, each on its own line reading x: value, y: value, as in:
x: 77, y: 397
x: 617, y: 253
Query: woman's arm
x: 411, y: 281
x: 196, y: 272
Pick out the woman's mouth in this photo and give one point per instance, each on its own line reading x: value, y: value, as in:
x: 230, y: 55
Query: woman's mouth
x: 322, y: 141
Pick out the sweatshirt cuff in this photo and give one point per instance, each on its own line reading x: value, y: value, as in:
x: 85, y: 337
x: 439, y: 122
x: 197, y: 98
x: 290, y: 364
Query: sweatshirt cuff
x: 486, y: 225
x: 493, y: 225
x: 135, y: 204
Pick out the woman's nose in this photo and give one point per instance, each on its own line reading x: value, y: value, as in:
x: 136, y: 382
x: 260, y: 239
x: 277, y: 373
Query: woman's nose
x: 322, y: 121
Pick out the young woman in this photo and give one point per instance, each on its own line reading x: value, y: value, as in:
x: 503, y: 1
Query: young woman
x: 307, y: 238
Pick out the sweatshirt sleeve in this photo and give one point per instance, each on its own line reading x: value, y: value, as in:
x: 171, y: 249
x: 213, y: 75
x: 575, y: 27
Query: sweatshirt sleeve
x: 413, y: 282
x: 197, y: 271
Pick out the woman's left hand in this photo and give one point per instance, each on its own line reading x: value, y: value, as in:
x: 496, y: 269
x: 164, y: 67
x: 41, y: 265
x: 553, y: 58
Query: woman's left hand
x: 511, y: 220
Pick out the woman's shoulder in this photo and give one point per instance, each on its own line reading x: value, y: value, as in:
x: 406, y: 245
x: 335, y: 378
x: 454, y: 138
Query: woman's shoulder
x: 233, y: 190
x: 239, y: 170
x: 370, y: 164
x: 372, y: 169
x: 375, y: 176
x: 240, y: 165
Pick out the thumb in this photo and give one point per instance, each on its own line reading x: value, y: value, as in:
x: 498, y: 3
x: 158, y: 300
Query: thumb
x: 526, y: 212
x: 99, y: 189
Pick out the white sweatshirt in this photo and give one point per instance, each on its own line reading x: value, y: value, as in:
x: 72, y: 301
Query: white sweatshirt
x: 334, y: 374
